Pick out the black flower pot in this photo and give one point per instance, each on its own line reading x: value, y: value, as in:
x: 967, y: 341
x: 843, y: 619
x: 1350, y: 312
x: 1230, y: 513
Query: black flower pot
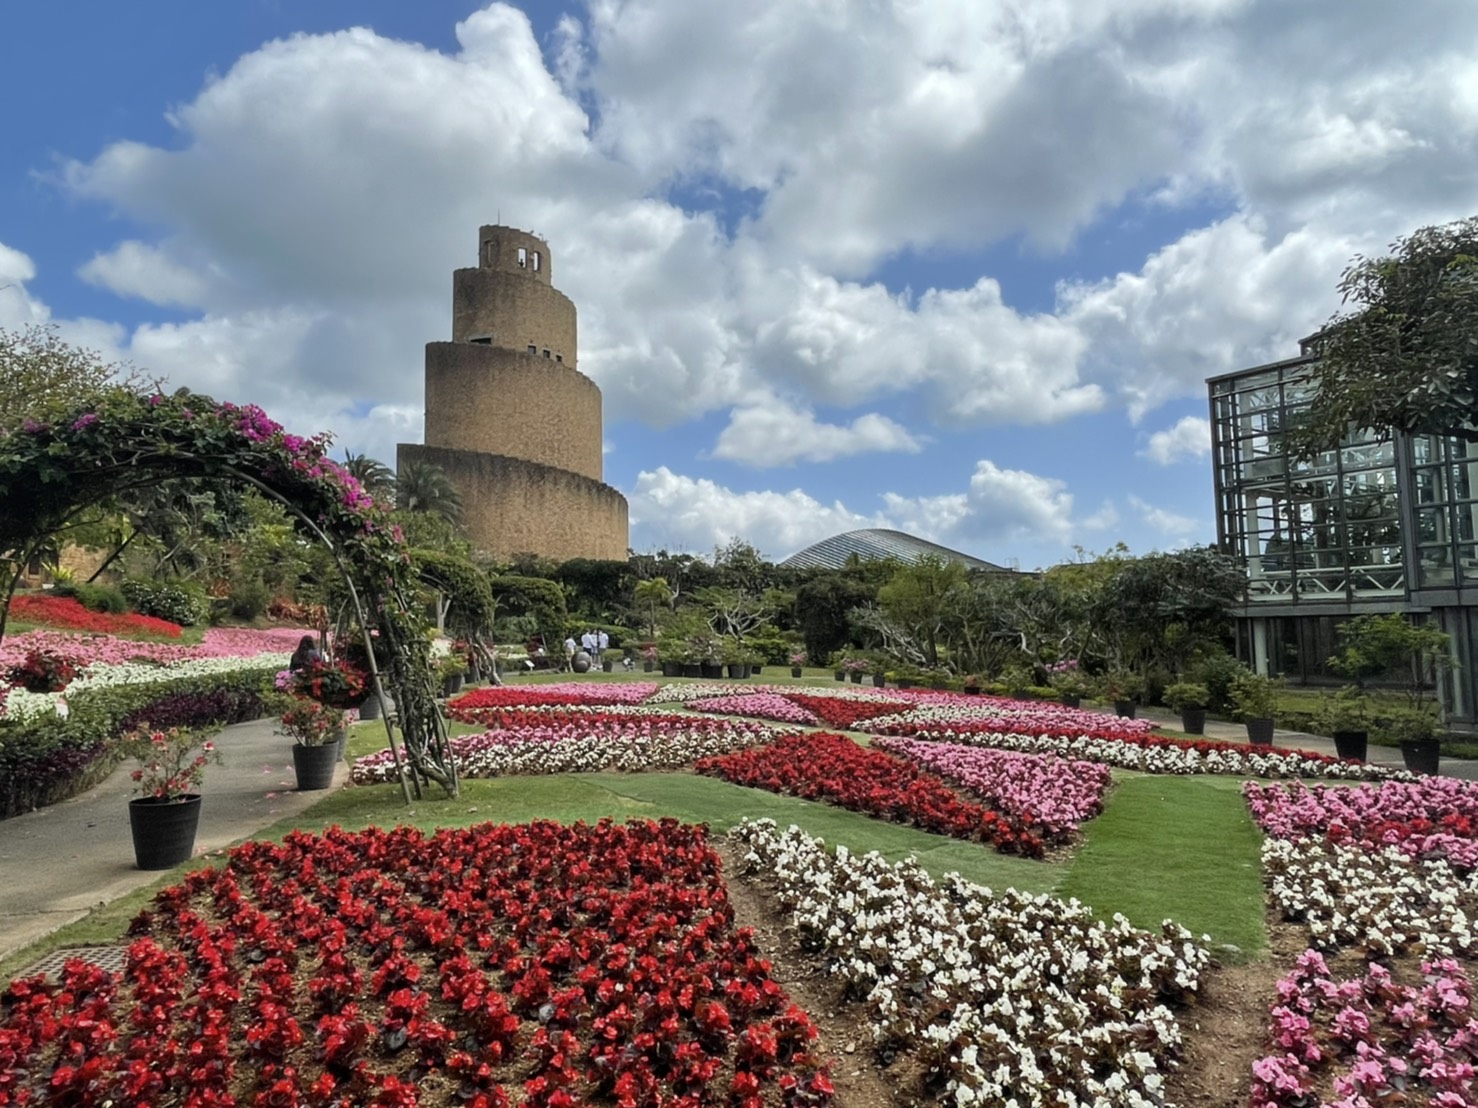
x: 1351, y: 744
x: 856, y: 677
x: 905, y: 682
x: 1259, y: 730
x: 1069, y: 701
x: 607, y: 665
x: 840, y: 675
x: 795, y: 671
x: 163, y: 830
x: 692, y: 669
x: 738, y: 670
x: 315, y: 765
x: 713, y: 671
x: 672, y: 669
x: 1421, y: 755
x: 755, y: 671
x: 646, y: 667
x: 879, y: 680
x: 1193, y: 721
x: 1125, y: 709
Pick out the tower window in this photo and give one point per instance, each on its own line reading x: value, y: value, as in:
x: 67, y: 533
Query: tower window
x: 533, y: 349
x: 537, y: 260
x: 523, y: 258
x: 546, y: 352
x: 489, y: 252
x: 483, y: 340
x: 559, y: 357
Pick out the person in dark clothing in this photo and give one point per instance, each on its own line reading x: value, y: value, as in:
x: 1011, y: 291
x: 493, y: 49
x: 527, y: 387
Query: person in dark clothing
x: 306, y: 654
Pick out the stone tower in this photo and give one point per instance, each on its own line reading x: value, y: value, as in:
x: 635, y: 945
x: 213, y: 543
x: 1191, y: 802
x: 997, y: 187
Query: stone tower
x: 509, y: 417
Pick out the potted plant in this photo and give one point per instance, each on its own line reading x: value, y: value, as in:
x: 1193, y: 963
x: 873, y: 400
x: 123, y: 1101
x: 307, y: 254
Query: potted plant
x: 733, y: 654
x: 451, y: 668
x: 1190, y: 700
x: 856, y: 667
x: 165, y: 816
x: 972, y: 685
x: 609, y: 657
x: 1069, y: 682
x: 318, y: 735
x: 1415, y: 730
x: 1345, y: 717
x: 797, y: 663
x: 649, y: 658
x: 839, y: 665
x: 1121, y: 686
x: 1254, y: 696
x: 338, y: 683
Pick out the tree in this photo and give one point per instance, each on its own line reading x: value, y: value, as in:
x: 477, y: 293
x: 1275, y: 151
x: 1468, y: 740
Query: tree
x: 1405, y: 356
x: 373, y: 475
x: 821, y: 609
x: 425, y: 487
x: 649, y: 595
x: 921, y: 598
x: 42, y: 376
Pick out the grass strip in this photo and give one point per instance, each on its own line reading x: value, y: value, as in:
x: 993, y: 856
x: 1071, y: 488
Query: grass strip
x: 1181, y: 848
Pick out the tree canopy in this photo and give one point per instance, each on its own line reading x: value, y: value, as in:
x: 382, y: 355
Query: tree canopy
x: 1403, y: 355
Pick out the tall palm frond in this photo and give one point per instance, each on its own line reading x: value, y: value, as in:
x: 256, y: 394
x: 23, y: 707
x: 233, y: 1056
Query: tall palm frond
x: 424, y: 487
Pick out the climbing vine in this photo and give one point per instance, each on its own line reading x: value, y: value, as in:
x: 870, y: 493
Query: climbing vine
x: 50, y: 472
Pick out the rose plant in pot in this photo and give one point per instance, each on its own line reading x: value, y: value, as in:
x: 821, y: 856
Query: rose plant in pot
x: 797, y: 663
x: 1069, y: 682
x: 1190, y: 700
x: 318, y: 734
x: 165, y: 816
x: 1121, y: 687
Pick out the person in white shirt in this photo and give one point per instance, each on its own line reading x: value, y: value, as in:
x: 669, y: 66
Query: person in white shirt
x: 602, y: 641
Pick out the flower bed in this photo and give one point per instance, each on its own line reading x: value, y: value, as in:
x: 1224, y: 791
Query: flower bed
x: 995, y: 998
x: 1150, y: 754
x: 846, y: 712
x: 1369, y: 1040
x: 109, y: 650
x: 570, y: 692
x: 1056, y: 793
x: 556, y: 740
x: 67, y: 611
x: 1432, y: 817
x: 833, y: 768
x: 1017, y: 717
x: 698, y: 690
x: 542, y: 965
x: 764, y: 705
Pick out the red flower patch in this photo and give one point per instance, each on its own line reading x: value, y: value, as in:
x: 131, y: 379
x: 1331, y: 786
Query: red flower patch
x: 540, y: 965
x: 845, y: 712
x: 833, y: 768
x: 68, y: 612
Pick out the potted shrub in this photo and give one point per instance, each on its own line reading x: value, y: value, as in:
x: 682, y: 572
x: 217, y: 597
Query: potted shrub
x: 1190, y: 700
x: 971, y: 685
x: 451, y: 669
x: 609, y: 657
x: 1069, y: 682
x: 839, y: 665
x: 1415, y: 730
x: 1121, y: 687
x: 318, y: 735
x: 164, y: 818
x: 1255, y: 698
x: 856, y: 668
x: 734, y: 655
x: 649, y: 658
x: 1345, y: 717
x: 797, y: 663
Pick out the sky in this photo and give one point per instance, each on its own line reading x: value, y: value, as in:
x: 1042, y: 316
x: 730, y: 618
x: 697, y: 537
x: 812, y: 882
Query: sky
x: 955, y: 267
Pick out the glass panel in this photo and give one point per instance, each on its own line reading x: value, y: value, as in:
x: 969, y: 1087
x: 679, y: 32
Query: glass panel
x: 1431, y: 525
x: 1366, y: 455
x: 1436, y: 568
x: 1423, y: 449
x: 1431, y: 486
x: 1467, y: 562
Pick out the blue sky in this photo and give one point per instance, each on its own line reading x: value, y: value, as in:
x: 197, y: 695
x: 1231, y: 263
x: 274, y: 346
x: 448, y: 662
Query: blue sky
x: 958, y: 267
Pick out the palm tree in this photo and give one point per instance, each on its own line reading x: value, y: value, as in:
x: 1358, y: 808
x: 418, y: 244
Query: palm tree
x: 373, y: 475
x: 651, y: 593
x: 424, y: 487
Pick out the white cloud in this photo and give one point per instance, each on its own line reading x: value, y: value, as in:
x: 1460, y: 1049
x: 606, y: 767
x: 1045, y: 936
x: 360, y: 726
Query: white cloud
x: 1190, y: 437
x: 775, y: 434
x: 677, y: 512
x: 1179, y: 529
x: 136, y: 269
x: 17, y: 306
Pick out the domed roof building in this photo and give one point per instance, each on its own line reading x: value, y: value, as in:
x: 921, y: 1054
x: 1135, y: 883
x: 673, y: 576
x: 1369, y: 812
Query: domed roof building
x: 879, y: 543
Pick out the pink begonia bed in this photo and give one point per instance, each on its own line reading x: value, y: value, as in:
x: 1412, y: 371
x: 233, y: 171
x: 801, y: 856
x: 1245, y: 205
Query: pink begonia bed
x: 219, y: 642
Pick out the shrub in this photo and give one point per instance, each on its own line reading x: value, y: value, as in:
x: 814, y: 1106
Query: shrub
x: 1218, y: 673
x: 249, y: 599
x: 177, y: 602
x: 102, y: 598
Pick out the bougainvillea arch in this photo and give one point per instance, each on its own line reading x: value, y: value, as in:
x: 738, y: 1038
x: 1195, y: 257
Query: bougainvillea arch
x: 51, y: 472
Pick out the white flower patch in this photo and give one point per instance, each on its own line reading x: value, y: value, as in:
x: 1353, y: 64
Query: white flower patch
x: 1380, y: 901
x: 23, y: 705
x: 1009, y: 999
x: 1169, y: 757
x: 632, y: 746
x: 681, y: 694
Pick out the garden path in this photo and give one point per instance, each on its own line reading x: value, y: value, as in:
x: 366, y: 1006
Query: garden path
x: 60, y: 862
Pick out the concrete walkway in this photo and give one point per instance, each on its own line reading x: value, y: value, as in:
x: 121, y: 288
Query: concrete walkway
x: 60, y: 862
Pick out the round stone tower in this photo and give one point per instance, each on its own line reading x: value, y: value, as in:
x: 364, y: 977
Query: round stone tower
x: 509, y: 417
